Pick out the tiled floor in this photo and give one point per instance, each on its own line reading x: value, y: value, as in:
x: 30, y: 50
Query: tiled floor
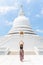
x: 14, y: 60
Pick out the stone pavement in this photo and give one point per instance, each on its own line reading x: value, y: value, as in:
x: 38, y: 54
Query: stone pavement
x: 14, y: 60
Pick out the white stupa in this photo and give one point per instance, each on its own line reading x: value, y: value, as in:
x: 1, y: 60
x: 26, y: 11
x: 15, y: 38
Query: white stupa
x: 21, y: 30
x: 21, y: 24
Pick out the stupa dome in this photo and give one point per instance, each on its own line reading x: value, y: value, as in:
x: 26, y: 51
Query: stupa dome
x: 21, y: 21
x: 21, y: 24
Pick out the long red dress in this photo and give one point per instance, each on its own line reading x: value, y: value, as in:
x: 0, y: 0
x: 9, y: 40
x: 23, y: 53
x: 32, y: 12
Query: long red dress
x: 21, y: 54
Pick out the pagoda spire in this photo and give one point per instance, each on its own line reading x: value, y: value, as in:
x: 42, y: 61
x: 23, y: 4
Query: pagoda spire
x: 21, y: 12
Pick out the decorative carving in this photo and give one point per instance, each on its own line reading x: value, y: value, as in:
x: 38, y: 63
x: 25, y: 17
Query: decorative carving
x: 21, y: 33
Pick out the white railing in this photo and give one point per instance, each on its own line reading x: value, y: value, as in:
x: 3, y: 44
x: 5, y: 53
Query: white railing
x: 38, y: 50
x: 4, y: 51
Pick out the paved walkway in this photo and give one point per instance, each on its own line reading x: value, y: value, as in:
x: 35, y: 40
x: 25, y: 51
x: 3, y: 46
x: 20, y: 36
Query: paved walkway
x: 14, y: 60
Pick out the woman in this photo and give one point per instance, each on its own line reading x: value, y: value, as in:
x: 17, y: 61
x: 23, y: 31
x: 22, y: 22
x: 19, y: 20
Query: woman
x: 21, y: 52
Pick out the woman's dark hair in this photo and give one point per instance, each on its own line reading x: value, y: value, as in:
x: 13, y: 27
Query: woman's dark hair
x: 21, y: 46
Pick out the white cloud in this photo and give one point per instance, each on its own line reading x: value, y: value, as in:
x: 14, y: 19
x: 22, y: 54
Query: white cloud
x: 7, y: 23
x: 37, y: 15
x: 41, y: 11
x: 28, y: 1
x: 5, y: 9
x: 40, y: 31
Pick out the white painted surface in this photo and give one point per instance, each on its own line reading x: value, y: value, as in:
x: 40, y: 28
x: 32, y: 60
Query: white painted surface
x: 28, y: 60
x: 30, y: 41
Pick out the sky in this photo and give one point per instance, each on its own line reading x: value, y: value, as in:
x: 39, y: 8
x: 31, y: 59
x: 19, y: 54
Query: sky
x: 9, y: 9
